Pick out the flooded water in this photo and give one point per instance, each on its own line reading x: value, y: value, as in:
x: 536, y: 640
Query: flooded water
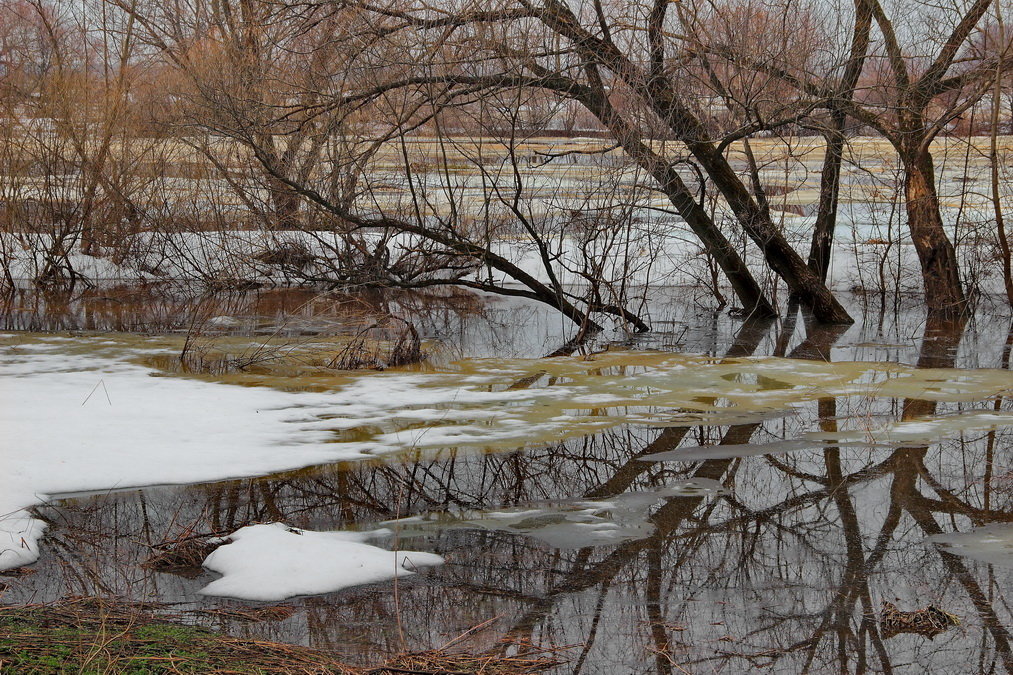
x: 716, y: 496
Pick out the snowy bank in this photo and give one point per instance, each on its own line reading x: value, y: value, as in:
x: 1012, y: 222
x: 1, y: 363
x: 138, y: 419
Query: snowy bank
x: 655, y: 257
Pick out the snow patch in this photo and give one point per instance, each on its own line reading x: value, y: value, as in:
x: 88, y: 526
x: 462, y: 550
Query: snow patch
x: 271, y: 562
x: 75, y: 423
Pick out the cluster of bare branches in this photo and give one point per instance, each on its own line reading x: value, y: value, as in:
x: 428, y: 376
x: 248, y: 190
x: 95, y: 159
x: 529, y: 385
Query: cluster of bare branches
x: 351, y: 142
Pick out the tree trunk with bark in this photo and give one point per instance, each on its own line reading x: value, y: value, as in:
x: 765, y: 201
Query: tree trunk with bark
x: 821, y: 246
x: 943, y: 292
x: 748, y: 291
x: 284, y: 205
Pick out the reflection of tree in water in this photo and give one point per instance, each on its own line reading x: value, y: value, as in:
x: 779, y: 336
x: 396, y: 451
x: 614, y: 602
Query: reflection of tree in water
x: 170, y: 307
x: 787, y: 570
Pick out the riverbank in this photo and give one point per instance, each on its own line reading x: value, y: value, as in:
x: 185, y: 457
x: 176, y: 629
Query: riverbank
x: 92, y: 635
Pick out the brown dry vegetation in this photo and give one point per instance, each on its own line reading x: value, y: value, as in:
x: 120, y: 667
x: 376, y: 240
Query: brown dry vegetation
x: 90, y: 635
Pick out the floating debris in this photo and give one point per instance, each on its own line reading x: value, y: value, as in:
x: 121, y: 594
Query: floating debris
x: 929, y: 622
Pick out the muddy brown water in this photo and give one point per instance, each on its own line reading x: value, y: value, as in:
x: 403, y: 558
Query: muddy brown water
x: 633, y: 547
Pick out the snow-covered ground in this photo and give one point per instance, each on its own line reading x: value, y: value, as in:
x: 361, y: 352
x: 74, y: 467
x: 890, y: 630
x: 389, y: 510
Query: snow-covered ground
x: 567, y: 194
x: 77, y: 422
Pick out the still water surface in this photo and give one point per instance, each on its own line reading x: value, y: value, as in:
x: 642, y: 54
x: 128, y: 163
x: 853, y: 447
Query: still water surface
x: 717, y: 496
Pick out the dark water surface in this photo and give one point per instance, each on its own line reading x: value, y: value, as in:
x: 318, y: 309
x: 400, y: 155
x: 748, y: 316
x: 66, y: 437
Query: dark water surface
x: 738, y: 559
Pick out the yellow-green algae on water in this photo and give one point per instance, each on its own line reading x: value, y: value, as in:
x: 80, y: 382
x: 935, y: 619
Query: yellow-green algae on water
x: 502, y: 404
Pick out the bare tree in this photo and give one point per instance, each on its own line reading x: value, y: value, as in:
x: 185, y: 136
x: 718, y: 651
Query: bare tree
x: 929, y: 80
x: 591, y: 56
x: 313, y: 92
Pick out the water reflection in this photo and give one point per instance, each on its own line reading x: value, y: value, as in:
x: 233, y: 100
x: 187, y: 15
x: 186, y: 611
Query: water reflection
x: 781, y: 562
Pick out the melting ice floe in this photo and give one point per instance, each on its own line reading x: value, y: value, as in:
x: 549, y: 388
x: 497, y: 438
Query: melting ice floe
x: 77, y: 416
x: 273, y: 561
x: 991, y: 543
x: 568, y: 524
x: 918, y: 432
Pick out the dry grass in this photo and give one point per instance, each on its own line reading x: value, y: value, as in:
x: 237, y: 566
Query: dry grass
x: 184, y: 555
x: 444, y: 663
x: 394, y: 343
x: 90, y: 635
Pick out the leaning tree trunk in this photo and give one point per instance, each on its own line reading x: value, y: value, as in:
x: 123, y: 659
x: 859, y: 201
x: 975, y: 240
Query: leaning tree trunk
x: 743, y: 283
x: 754, y: 302
x: 802, y: 282
x: 661, y: 95
x: 940, y: 271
